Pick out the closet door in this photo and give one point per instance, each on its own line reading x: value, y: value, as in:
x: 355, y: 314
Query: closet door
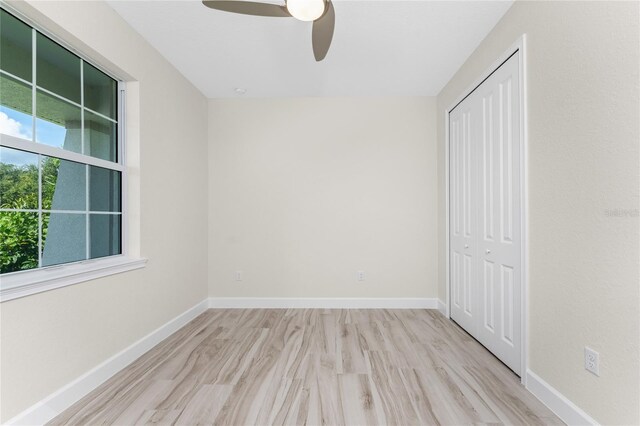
x: 463, y: 122
x: 484, y: 223
x: 499, y: 243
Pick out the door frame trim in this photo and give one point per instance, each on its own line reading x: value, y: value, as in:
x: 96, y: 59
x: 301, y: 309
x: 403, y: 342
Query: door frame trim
x: 518, y: 46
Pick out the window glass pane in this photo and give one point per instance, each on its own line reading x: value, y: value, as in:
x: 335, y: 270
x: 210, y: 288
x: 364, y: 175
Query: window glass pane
x: 15, y: 108
x: 63, y: 238
x: 104, y: 190
x: 104, y: 235
x: 18, y: 241
x: 58, y: 123
x: 15, y: 46
x: 18, y: 179
x: 100, y: 137
x: 64, y: 184
x: 57, y: 69
x: 100, y: 91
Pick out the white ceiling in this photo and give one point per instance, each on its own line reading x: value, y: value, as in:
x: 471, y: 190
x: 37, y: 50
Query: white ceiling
x: 380, y: 48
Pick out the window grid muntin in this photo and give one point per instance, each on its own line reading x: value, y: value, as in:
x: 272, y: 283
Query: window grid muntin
x: 87, y: 160
x: 35, y: 88
x: 36, y: 149
x: 62, y: 98
x: 60, y: 211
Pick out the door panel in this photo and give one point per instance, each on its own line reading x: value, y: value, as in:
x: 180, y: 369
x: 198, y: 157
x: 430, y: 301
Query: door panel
x: 462, y: 216
x: 485, y: 189
x: 506, y: 287
x: 489, y: 294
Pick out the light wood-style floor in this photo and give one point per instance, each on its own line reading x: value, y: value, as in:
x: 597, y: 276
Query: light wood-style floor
x: 316, y: 367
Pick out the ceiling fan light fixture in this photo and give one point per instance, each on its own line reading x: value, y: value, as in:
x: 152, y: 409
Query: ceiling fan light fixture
x: 306, y: 10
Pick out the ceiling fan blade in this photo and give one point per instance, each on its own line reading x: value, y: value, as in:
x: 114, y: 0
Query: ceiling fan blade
x: 322, y: 33
x: 248, y: 8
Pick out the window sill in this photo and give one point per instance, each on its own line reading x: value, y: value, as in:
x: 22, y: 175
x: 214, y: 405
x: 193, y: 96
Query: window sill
x: 21, y: 284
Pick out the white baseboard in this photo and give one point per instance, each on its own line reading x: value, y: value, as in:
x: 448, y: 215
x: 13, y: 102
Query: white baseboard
x: 327, y: 303
x: 442, y: 307
x: 568, y: 412
x: 63, y: 398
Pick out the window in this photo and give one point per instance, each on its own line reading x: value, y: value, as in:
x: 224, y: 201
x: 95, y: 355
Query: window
x: 61, y: 165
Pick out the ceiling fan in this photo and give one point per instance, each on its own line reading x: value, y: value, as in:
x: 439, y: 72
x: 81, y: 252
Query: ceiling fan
x: 319, y: 11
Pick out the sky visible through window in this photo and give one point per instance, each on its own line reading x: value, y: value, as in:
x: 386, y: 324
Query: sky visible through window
x: 20, y: 125
x: 15, y: 123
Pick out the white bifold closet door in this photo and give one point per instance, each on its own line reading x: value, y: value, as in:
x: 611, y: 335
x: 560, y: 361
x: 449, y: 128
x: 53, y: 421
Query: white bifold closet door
x: 485, y: 214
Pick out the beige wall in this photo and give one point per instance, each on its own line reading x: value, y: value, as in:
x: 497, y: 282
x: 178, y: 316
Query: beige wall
x: 305, y: 192
x: 52, y: 338
x: 583, y: 80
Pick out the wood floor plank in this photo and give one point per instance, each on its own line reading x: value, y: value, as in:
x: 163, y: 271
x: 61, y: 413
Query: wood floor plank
x: 204, y: 407
x: 325, y: 399
x: 395, y: 399
x: 313, y: 367
x: 357, y: 399
x: 352, y: 353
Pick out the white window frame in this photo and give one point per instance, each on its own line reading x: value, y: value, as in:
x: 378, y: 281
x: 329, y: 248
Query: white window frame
x: 18, y: 284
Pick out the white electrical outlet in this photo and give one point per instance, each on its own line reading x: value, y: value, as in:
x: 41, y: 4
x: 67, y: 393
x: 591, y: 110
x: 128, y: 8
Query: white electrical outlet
x: 360, y: 275
x: 592, y: 361
x: 238, y: 275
